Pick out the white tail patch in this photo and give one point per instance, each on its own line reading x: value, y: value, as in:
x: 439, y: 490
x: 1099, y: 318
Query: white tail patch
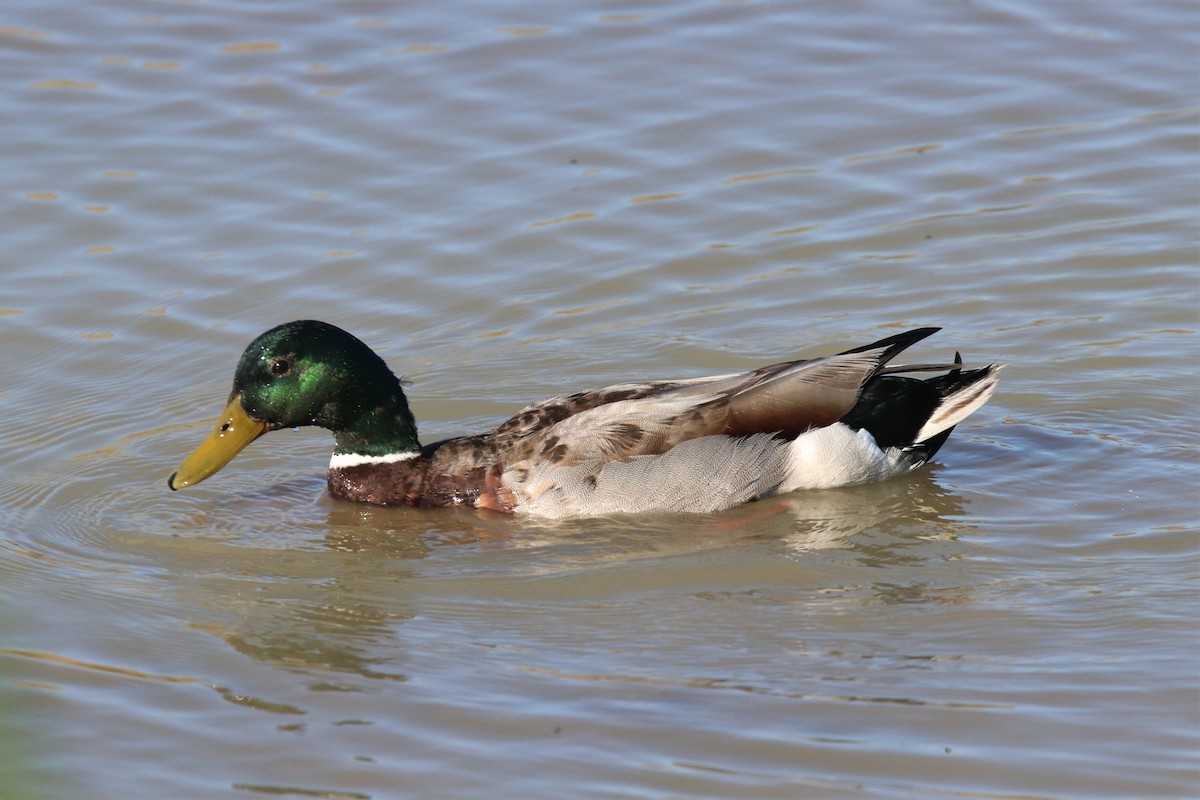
x: 959, y: 405
x: 838, y: 455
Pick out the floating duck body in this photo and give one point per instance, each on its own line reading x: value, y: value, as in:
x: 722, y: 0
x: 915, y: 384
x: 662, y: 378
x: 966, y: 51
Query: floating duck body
x: 701, y: 444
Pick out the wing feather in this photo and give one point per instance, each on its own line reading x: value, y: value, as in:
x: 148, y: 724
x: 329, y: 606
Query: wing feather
x: 633, y: 419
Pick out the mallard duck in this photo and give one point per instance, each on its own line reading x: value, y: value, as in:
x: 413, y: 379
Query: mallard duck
x: 699, y: 444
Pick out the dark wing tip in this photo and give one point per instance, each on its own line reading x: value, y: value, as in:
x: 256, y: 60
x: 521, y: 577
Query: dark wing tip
x: 895, y: 344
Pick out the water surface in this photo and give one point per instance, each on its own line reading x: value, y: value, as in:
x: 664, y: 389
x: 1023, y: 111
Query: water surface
x: 513, y: 200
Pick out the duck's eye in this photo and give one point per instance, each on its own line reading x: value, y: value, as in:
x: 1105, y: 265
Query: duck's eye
x: 279, y: 367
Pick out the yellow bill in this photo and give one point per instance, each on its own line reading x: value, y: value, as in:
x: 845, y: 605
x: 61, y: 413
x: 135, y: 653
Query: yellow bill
x: 234, y: 431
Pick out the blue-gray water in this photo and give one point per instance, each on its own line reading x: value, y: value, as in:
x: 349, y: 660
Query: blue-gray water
x: 511, y: 200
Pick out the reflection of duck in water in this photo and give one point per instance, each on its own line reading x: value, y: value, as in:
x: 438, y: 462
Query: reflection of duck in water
x: 702, y: 444
x: 898, y: 513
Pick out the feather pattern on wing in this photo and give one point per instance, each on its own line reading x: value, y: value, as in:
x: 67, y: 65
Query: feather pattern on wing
x: 634, y: 419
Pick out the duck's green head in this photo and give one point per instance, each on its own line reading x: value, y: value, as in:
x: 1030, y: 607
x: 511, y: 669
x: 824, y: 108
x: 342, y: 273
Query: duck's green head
x: 307, y: 373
